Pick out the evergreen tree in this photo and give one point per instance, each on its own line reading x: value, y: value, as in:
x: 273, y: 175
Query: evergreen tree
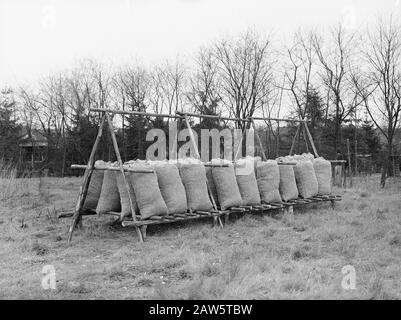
x: 8, y: 127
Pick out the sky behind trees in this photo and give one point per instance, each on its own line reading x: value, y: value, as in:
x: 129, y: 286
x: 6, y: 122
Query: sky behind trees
x: 41, y: 37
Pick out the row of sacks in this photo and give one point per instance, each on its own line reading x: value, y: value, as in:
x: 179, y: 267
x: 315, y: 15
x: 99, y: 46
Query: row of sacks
x: 312, y: 176
x: 178, y: 186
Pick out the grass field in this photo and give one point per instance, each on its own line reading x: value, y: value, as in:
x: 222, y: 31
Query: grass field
x: 281, y: 256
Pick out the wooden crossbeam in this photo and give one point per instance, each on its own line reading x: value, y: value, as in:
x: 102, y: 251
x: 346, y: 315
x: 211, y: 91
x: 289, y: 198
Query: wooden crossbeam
x: 136, y: 113
x: 109, y: 168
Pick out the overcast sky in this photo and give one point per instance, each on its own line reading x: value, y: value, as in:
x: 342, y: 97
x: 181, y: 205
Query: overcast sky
x: 39, y: 37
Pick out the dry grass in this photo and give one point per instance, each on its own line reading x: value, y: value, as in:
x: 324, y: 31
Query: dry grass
x: 10, y: 186
x: 296, y: 256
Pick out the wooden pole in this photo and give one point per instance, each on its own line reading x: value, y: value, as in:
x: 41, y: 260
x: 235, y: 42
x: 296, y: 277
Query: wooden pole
x: 181, y: 114
x: 83, y: 190
x: 262, y: 150
x: 280, y: 119
x: 209, y: 116
x: 311, y: 140
x: 294, y: 139
x: 121, y: 165
x: 136, y: 113
x: 243, y: 136
x: 305, y: 139
x: 78, y: 166
x: 192, y: 137
x: 349, y: 163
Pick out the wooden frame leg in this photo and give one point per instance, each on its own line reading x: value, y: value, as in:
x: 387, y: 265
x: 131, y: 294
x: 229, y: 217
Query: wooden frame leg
x: 220, y: 223
x: 294, y: 139
x: 76, y: 218
x: 262, y: 150
x: 311, y: 140
x: 120, y: 162
x: 143, y: 232
x: 139, y: 233
x: 333, y: 204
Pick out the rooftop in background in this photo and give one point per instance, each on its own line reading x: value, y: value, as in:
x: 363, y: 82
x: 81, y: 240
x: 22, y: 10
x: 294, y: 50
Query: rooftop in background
x: 33, y: 139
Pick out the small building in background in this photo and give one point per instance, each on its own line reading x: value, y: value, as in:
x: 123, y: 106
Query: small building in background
x: 33, y: 146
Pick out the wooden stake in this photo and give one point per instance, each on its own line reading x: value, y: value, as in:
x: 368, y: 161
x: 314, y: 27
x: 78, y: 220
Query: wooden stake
x: 83, y: 190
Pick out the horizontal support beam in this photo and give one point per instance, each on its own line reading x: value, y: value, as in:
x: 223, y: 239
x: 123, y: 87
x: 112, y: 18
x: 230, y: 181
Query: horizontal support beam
x: 137, y: 113
x: 126, y: 169
x: 209, y: 116
x: 69, y: 214
x: 224, y: 165
x: 278, y: 119
x: 180, y: 115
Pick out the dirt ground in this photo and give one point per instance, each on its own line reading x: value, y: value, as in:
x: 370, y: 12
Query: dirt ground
x: 282, y: 256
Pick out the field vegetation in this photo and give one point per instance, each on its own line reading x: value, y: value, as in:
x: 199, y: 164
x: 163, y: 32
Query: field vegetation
x: 275, y: 256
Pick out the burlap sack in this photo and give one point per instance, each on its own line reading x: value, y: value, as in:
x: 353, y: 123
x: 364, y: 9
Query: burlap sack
x: 226, y: 186
x: 246, y: 180
x: 268, y: 178
x: 124, y: 199
x: 323, y: 175
x: 95, y: 186
x: 212, y: 186
x: 94, y: 190
x: 306, y: 179
x: 193, y: 177
x: 147, y: 192
x: 288, y: 186
x: 109, y: 199
x: 171, y: 187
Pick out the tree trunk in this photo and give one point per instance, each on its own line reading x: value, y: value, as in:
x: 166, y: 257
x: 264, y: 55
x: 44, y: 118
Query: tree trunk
x: 386, y: 169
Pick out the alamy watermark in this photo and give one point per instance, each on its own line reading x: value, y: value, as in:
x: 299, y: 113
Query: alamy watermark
x: 49, y: 278
x: 349, y: 280
x: 226, y: 144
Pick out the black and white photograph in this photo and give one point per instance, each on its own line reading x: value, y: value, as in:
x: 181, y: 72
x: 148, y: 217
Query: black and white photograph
x: 200, y: 156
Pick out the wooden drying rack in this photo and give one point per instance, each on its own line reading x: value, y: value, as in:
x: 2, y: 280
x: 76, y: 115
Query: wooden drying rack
x: 136, y: 220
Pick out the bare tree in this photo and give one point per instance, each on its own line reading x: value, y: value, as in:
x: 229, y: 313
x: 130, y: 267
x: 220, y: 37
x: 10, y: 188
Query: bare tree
x: 380, y: 88
x: 245, y: 73
x: 203, y: 93
x: 169, y: 86
x: 336, y: 59
x: 53, y: 111
x: 272, y: 109
x: 300, y: 72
